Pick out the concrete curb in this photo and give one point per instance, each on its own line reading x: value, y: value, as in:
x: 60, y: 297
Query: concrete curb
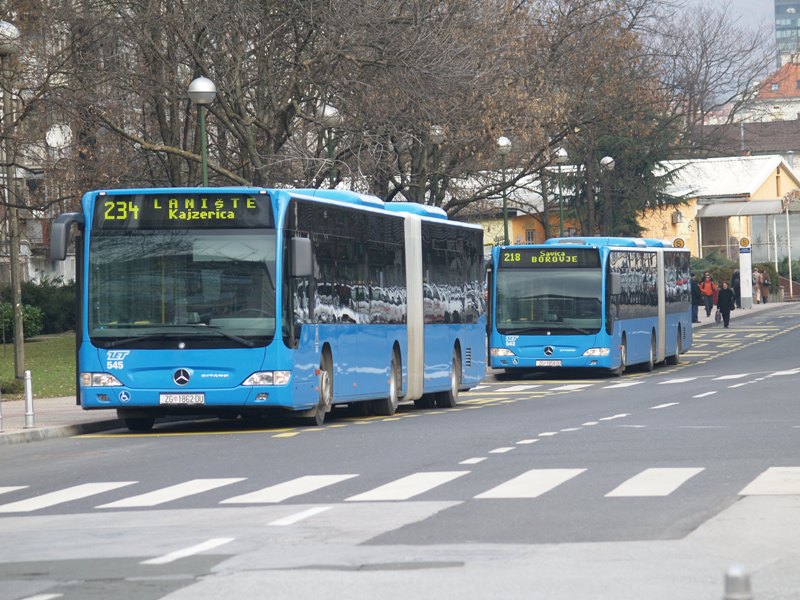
x: 58, y: 431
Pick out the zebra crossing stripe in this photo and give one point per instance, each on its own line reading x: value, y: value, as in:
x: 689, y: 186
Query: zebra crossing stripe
x: 653, y: 482
x: 571, y: 387
x: 11, y: 488
x: 173, y: 492
x: 531, y: 484
x: 775, y: 481
x: 624, y: 384
x: 518, y: 388
x: 185, y: 552
x: 61, y: 496
x: 288, y: 489
x: 408, y: 487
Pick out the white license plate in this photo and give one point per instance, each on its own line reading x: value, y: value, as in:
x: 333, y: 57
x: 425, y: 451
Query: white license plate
x: 548, y: 363
x: 182, y: 399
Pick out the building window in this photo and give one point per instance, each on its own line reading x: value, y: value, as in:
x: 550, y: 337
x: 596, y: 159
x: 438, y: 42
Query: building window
x: 776, y: 87
x: 530, y: 236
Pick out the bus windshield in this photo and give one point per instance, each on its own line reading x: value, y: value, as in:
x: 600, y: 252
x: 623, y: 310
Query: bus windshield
x: 203, y: 288
x: 549, y: 300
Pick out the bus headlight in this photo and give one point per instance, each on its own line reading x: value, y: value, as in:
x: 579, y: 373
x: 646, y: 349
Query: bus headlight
x: 269, y: 378
x: 597, y: 352
x: 502, y: 352
x: 99, y: 380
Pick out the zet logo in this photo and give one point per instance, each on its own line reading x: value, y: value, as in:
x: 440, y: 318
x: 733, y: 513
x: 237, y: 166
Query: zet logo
x: 511, y: 340
x: 115, y: 359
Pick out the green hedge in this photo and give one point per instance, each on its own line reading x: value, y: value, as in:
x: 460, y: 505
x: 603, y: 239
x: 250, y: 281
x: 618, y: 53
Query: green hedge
x: 32, y: 321
x: 54, y: 299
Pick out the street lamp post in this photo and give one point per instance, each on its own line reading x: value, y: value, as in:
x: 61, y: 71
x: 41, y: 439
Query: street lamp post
x: 561, y: 156
x: 202, y: 91
x: 503, y: 148
x: 330, y: 118
x: 9, y: 44
x: 607, y: 164
x: 437, y: 139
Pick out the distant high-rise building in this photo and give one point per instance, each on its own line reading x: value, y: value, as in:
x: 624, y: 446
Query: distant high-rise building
x: 787, y: 30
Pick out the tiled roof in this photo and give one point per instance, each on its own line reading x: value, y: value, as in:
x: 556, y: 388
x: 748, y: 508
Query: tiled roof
x: 783, y: 83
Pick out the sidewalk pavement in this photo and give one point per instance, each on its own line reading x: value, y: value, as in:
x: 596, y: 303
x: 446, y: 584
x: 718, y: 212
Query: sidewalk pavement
x: 61, y: 417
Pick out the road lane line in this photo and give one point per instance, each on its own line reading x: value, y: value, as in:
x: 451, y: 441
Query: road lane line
x: 723, y: 377
x: 531, y: 484
x: 525, y: 442
x: 288, y: 489
x: 301, y: 516
x: 473, y: 461
x: 408, y: 487
x: 11, y: 488
x: 173, y: 492
x: 624, y: 384
x: 775, y: 481
x: 653, y: 482
x: 667, y: 405
x: 61, y: 496
x: 501, y: 450
x: 704, y: 394
x: 186, y: 552
x: 518, y: 388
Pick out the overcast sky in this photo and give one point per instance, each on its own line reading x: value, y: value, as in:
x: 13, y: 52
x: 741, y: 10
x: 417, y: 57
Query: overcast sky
x: 752, y: 12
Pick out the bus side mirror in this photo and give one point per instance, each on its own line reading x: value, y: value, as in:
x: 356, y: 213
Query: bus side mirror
x: 615, y: 284
x: 302, y: 259
x: 59, y: 234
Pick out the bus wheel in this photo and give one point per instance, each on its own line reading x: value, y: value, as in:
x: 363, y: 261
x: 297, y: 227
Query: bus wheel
x: 427, y: 401
x: 673, y: 360
x: 623, y: 358
x: 139, y: 424
x: 386, y: 407
x: 651, y: 358
x: 316, y: 416
x: 449, y: 398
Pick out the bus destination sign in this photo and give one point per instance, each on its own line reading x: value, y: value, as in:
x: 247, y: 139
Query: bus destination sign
x: 548, y: 258
x: 179, y: 211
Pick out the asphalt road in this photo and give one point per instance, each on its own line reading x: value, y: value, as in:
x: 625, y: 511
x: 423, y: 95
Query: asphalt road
x: 556, y: 486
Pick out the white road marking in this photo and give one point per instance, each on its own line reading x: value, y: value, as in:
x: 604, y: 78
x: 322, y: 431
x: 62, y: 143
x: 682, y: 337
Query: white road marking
x: 186, y: 552
x: 288, y: 489
x: 571, y: 387
x: 524, y: 442
x: 518, y: 388
x: 11, y: 488
x: 653, y: 482
x: 613, y: 417
x: 704, y: 394
x: 590, y: 423
x: 473, y: 461
x: 623, y: 384
x: 408, y: 487
x: 775, y: 481
x: 548, y: 433
x: 501, y: 450
x: 173, y: 492
x: 679, y: 380
x: 531, y: 484
x: 301, y: 516
x: 667, y: 405
x: 723, y: 377
x: 61, y: 496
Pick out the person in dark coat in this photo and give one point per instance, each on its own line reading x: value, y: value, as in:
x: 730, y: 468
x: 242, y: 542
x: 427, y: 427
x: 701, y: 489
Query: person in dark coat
x: 736, y: 286
x: 725, y: 302
x: 697, y: 299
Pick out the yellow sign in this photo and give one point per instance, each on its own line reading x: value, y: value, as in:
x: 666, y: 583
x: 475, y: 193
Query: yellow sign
x: 678, y: 243
x: 744, y: 242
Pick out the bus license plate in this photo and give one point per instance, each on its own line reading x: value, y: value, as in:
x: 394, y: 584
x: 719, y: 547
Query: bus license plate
x: 182, y: 399
x: 548, y: 363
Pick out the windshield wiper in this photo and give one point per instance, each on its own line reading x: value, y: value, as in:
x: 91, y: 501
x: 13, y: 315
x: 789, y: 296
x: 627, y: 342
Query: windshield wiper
x: 171, y: 334
x: 543, y: 327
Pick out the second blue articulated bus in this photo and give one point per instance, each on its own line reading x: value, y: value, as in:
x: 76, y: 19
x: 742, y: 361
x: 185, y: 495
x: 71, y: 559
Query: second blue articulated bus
x: 246, y: 301
x: 599, y: 303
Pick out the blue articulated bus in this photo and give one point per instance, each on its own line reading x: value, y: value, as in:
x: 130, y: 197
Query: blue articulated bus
x: 603, y: 303
x: 247, y: 301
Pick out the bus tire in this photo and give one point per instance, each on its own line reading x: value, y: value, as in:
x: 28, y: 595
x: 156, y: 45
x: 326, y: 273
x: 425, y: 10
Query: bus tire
x: 449, y: 398
x: 650, y: 363
x: 386, y: 407
x: 315, y: 417
x: 139, y: 424
x: 623, y: 358
x: 426, y: 401
x: 675, y: 358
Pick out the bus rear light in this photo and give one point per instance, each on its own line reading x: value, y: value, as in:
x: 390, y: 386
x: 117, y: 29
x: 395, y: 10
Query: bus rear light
x: 502, y: 352
x: 597, y: 352
x: 99, y: 380
x: 268, y: 378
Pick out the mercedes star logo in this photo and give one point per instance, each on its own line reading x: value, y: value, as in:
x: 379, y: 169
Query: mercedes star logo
x: 548, y: 350
x: 181, y: 377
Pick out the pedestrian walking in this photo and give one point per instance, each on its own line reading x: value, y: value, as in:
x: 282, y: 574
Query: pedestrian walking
x: 708, y: 289
x: 765, y: 285
x: 757, y: 280
x: 736, y: 286
x: 725, y: 303
x: 697, y: 299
